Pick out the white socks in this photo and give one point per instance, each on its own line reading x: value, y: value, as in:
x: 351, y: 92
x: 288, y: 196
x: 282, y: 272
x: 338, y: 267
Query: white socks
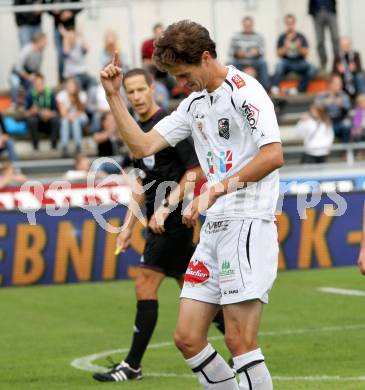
x: 212, y: 370
x: 252, y: 371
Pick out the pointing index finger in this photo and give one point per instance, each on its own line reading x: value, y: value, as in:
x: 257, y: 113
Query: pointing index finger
x: 115, y: 60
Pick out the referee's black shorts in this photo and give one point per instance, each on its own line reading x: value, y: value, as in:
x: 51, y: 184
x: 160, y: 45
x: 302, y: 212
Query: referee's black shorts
x: 169, y: 252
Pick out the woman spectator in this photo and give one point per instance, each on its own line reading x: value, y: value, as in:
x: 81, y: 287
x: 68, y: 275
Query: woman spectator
x: 347, y: 63
x: 71, y: 105
x: 358, y: 122
x: 317, y: 133
x: 338, y: 105
x: 75, y: 50
x: 111, y: 45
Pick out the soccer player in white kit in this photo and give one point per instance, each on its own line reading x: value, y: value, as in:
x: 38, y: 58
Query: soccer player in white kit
x: 236, y: 137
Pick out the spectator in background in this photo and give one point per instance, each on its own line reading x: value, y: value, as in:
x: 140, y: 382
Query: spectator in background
x: 71, y: 105
x: 161, y: 94
x: 96, y: 106
x: 62, y: 19
x: 82, y: 169
x: 358, y: 121
x: 147, y: 51
x: 247, y: 48
x: 28, y: 22
x: 28, y: 64
x: 348, y: 64
x: 338, y: 106
x: 75, y: 49
x: 41, y: 112
x: 250, y: 70
x: 292, y: 48
x: 317, y: 133
x: 109, y: 144
x: 324, y: 15
x: 8, y: 175
x: 106, y: 138
x: 112, y: 45
x: 6, y: 143
x: 148, y: 47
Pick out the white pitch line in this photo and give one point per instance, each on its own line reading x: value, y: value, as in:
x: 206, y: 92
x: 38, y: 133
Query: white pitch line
x: 319, y: 378
x: 85, y: 363
x: 342, y: 291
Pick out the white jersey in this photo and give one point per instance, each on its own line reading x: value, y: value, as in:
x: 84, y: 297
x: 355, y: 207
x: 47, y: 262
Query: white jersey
x: 228, y: 127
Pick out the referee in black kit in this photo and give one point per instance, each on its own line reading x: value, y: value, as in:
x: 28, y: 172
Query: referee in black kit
x: 169, y: 244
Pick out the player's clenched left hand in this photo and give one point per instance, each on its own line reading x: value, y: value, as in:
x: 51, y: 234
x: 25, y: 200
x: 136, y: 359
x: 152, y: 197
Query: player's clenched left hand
x: 198, y: 206
x: 111, y: 76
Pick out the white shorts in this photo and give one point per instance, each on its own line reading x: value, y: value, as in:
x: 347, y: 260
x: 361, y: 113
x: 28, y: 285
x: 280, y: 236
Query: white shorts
x: 235, y: 261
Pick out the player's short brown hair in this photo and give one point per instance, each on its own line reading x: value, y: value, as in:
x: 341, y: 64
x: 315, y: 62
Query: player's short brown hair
x: 138, y: 72
x: 183, y: 42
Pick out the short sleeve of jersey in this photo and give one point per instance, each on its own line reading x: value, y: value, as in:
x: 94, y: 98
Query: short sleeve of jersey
x: 175, y: 127
x: 186, y: 153
x: 257, y: 110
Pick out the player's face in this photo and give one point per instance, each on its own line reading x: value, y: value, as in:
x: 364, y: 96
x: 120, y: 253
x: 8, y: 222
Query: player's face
x: 139, y: 93
x: 194, y: 77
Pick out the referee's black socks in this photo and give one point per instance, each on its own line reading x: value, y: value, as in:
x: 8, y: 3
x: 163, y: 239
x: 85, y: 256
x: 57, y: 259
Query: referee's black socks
x: 144, y: 325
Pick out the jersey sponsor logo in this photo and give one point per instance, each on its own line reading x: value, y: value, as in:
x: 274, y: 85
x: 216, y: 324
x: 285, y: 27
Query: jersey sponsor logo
x: 210, y: 162
x: 223, y: 127
x: 251, y: 114
x: 225, y: 161
x: 196, y: 272
x: 149, y: 161
x: 238, y: 81
x: 216, y: 226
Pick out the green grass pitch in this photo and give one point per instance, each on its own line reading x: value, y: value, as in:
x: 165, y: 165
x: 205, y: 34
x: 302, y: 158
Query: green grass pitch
x: 307, y: 336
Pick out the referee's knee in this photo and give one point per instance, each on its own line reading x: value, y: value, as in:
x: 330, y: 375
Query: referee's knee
x: 145, y: 288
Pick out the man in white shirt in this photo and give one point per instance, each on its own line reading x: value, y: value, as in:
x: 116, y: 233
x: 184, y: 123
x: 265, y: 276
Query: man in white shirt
x: 237, y: 140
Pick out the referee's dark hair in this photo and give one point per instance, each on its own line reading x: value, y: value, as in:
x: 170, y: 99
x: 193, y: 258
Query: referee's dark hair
x: 183, y: 42
x: 138, y: 72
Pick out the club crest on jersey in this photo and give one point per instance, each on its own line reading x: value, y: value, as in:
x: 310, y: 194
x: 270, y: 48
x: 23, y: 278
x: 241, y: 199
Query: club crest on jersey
x: 149, y: 161
x: 238, y: 81
x: 196, y: 272
x: 223, y: 128
x: 225, y: 161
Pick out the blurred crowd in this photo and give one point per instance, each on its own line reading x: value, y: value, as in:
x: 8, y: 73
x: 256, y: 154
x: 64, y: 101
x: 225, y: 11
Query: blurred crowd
x: 78, y: 106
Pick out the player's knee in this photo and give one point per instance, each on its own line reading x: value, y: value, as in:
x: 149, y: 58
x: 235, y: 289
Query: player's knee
x: 188, y: 342
x: 239, y: 343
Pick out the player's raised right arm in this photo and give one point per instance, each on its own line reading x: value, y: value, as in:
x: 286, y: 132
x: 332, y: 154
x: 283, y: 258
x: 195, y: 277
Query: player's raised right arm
x: 140, y: 144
